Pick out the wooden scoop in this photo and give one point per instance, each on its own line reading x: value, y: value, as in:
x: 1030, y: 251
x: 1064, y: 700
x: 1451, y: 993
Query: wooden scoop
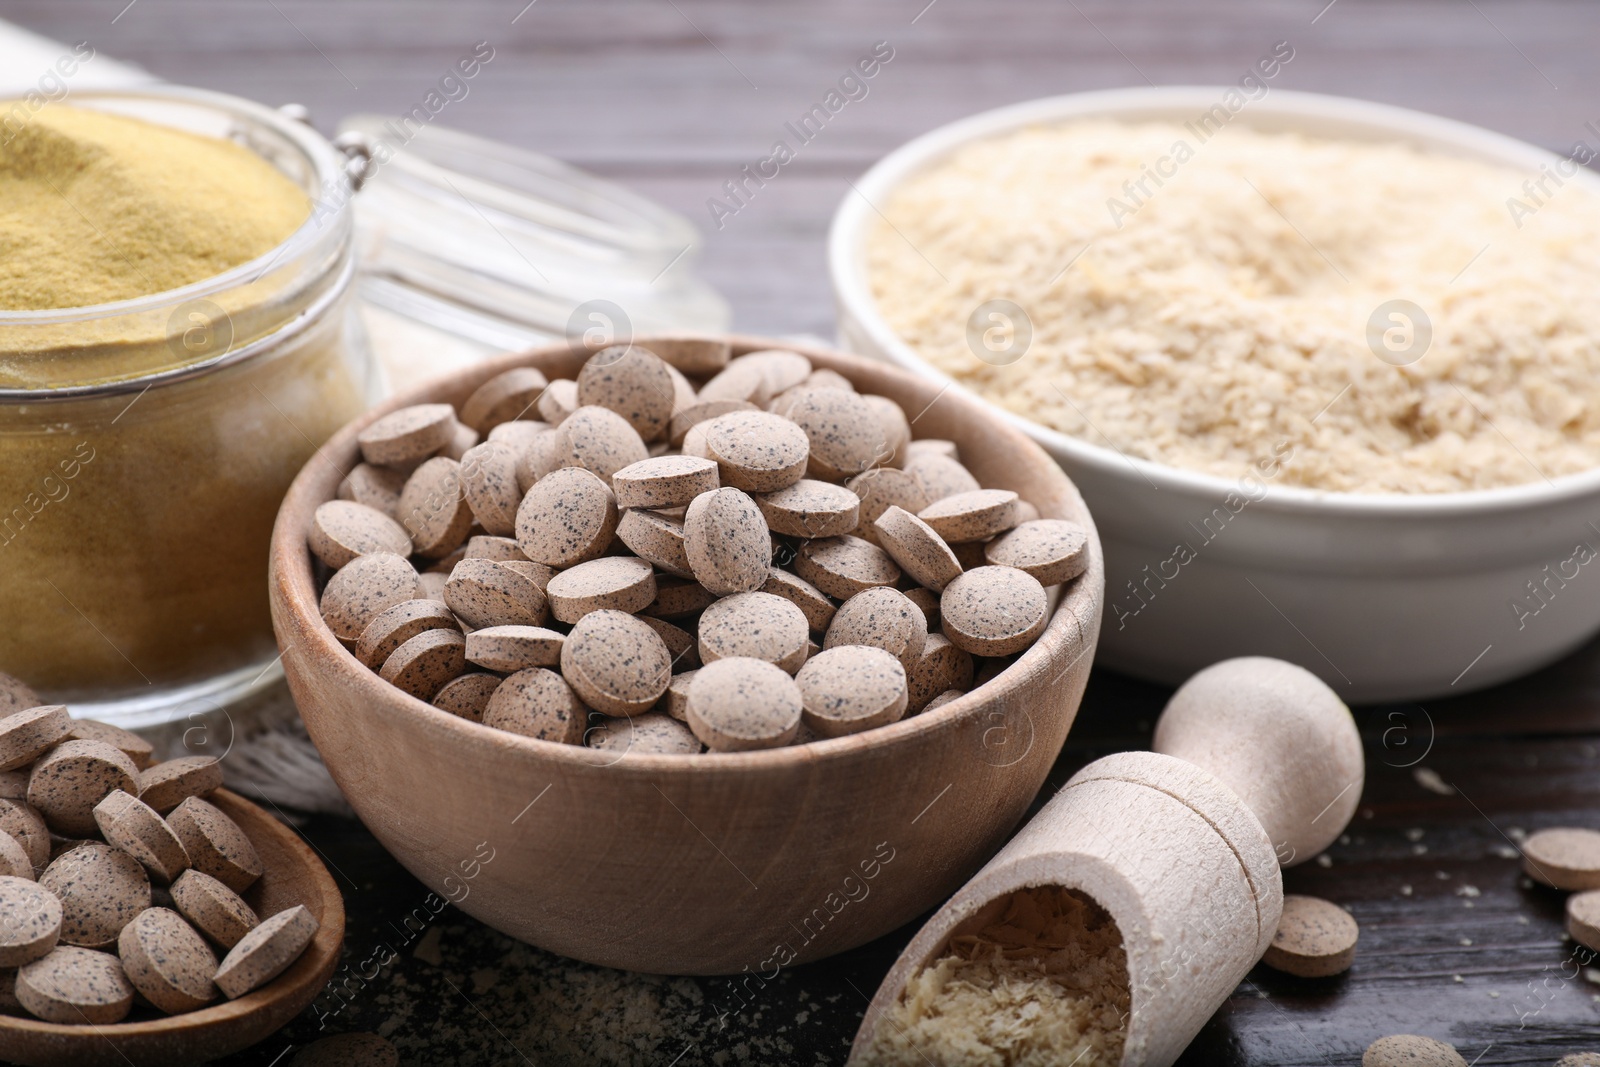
x: 1183, y: 865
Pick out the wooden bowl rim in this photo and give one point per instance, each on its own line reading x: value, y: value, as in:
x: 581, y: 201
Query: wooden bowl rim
x: 291, y: 576
x: 317, y: 959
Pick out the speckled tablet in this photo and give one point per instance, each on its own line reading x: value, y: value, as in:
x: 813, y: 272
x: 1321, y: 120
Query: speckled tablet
x: 693, y: 354
x: 539, y: 451
x: 66, y: 784
x: 811, y: 509
x: 167, y: 961
x: 170, y: 783
x: 21, y: 822
x: 341, y: 530
x: 757, y: 451
x: 694, y: 442
x: 617, y: 664
x: 941, y: 668
x: 845, y: 433
x: 664, y: 481
x: 994, y: 611
x: 939, y: 475
x: 558, y: 401
x: 813, y: 603
x: 928, y: 601
x: 633, y: 382
x: 468, y: 695
x: 701, y: 411
x: 727, y: 542
x: 215, y: 844
x: 422, y: 665
x: 844, y: 566
x: 880, y: 488
x: 408, y: 435
x: 739, y: 381
x: 600, y: 441
x: 514, y: 648
x: 363, y: 589
x: 376, y: 487
x: 133, y: 826
x: 15, y: 696
x: 499, y: 549
x: 30, y: 921
x: 916, y: 548
x: 756, y: 625
x: 893, y: 425
x: 682, y: 645
x: 649, y: 734
x: 1315, y: 938
x: 538, y: 703
x: 569, y: 516
x: 266, y: 952
x: 851, y: 688
x: 882, y: 618
x: 433, y: 509
x: 678, y: 598
x: 29, y: 734
x: 507, y: 396
x: 101, y: 889
x: 619, y: 583
x: 214, y: 909
x: 484, y: 592
x: 741, y: 704
x: 784, y: 369
x: 1583, y: 918
x: 128, y: 743
x: 14, y: 859
x: 1563, y: 857
x: 489, y: 483
x: 657, y: 539
x: 75, y: 985
x: 935, y: 445
x: 1052, y: 550
x: 675, y: 701
x: 396, y: 625
x: 1410, y: 1050
x: 975, y: 516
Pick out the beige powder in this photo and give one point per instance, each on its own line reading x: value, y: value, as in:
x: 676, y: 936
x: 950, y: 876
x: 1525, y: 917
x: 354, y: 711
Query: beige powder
x: 1045, y: 984
x: 1231, y: 306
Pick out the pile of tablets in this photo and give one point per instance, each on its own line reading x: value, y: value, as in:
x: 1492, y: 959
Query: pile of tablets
x: 633, y: 560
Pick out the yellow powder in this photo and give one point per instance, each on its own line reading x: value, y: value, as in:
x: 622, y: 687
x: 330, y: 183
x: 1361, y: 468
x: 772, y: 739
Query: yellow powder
x: 134, y: 525
x: 96, y: 208
x: 1043, y: 985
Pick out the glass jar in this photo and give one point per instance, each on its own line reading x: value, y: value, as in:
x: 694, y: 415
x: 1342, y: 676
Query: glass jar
x: 470, y: 247
x: 145, y: 446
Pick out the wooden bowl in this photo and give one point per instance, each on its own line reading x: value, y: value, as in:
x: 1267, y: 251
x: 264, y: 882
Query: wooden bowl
x: 722, y: 864
x: 293, y: 876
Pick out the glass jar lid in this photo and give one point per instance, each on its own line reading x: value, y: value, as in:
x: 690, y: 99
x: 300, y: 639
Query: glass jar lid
x: 502, y: 248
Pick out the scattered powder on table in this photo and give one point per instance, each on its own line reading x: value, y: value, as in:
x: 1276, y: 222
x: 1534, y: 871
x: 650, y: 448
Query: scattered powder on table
x: 97, y: 207
x: 1044, y: 984
x: 1222, y: 315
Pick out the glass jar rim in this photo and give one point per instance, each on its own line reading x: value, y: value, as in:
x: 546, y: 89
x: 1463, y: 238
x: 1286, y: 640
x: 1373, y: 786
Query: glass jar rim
x: 327, y: 167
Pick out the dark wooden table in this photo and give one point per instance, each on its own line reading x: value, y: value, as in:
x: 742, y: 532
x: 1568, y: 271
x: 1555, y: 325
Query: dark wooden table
x: 672, y: 97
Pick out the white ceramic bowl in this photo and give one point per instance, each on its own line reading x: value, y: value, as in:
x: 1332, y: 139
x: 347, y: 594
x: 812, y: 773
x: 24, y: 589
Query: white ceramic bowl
x: 1386, y: 597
